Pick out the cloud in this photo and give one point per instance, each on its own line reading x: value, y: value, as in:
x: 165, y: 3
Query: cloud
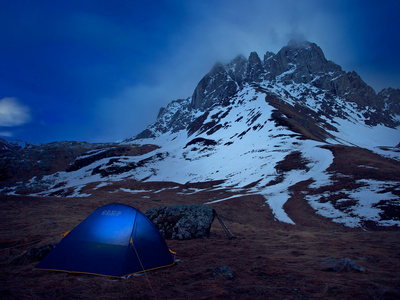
x: 13, y: 113
x: 219, y: 31
x: 6, y: 134
x: 129, y: 112
x: 214, y: 33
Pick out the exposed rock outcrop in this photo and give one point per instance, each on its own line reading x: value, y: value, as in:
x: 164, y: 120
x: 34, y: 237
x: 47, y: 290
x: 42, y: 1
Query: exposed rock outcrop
x: 216, y: 86
x: 391, y: 97
x: 182, y: 222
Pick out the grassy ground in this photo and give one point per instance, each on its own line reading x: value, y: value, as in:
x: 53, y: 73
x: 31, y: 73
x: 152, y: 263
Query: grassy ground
x: 269, y: 259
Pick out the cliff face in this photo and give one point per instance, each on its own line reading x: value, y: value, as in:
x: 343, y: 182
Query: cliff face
x: 216, y: 86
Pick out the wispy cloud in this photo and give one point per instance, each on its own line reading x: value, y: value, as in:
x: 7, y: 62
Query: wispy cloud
x: 13, y: 113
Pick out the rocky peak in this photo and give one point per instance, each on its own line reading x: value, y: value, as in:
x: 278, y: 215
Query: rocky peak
x: 267, y: 56
x: 304, y: 60
x: 172, y: 118
x: 302, y: 63
x: 391, y: 98
x: 213, y: 88
x: 254, y: 68
x: 217, y: 70
x: 361, y: 93
x: 237, y: 69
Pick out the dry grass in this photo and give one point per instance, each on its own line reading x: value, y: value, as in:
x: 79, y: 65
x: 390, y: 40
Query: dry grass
x: 270, y: 260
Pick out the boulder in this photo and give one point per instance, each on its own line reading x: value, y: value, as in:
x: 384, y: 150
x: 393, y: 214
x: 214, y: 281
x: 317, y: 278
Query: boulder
x: 38, y: 253
x: 224, y: 271
x: 182, y: 222
x: 341, y: 265
x: 34, y: 254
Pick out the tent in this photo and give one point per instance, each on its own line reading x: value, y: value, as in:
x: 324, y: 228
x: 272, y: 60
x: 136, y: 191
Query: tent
x: 114, y: 240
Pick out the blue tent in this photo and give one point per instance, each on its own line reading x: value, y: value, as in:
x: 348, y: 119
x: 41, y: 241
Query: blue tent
x: 114, y: 240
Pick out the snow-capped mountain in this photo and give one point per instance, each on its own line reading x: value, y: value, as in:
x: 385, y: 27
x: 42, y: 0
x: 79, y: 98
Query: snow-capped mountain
x: 301, y: 74
x: 293, y: 125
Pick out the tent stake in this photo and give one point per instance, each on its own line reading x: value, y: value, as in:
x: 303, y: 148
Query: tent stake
x: 228, y: 232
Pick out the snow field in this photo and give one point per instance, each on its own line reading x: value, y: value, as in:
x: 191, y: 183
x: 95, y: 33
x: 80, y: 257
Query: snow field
x: 245, y: 150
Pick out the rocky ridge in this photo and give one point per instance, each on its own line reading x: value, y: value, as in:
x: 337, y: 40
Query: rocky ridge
x: 300, y: 66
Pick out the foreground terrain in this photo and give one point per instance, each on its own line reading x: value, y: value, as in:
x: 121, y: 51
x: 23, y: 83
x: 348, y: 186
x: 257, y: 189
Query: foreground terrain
x: 269, y: 259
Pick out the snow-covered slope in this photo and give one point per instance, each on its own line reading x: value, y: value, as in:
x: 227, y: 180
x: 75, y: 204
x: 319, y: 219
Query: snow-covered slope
x: 263, y: 128
x: 245, y: 147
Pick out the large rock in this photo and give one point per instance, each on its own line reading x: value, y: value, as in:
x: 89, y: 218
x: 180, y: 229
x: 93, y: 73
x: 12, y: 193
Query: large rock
x: 182, y: 222
x: 223, y: 271
x: 341, y: 265
x: 34, y: 254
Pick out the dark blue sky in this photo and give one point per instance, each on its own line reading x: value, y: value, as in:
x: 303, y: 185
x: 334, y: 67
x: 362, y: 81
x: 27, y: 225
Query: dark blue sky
x: 100, y: 70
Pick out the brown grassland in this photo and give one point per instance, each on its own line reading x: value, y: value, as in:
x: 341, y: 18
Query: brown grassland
x: 269, y: 259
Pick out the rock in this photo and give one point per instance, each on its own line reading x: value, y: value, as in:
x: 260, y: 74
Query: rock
x: 237, y: 69
x: 35, y: 254
x: 182, y: 222
x: 341, y: 265
x: 213, y: 88
x: 391, y: 97
x: 254, y: 68
x: 7, y: 146
x: 224, y: 271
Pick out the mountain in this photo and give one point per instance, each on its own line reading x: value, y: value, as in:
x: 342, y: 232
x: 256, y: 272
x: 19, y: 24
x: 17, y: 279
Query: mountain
x: 5, y: 145
x: 292, y: 127
x: 298, y: 71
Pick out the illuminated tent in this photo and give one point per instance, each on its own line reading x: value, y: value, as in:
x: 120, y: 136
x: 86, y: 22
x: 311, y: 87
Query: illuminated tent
x: 114, y: 240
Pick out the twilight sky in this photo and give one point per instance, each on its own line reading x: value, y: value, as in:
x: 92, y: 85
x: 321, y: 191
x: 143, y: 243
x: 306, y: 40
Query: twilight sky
x: 100, y: 70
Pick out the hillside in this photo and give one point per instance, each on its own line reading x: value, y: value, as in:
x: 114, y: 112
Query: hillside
x: 300, y: 158
x: 258, y: 128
